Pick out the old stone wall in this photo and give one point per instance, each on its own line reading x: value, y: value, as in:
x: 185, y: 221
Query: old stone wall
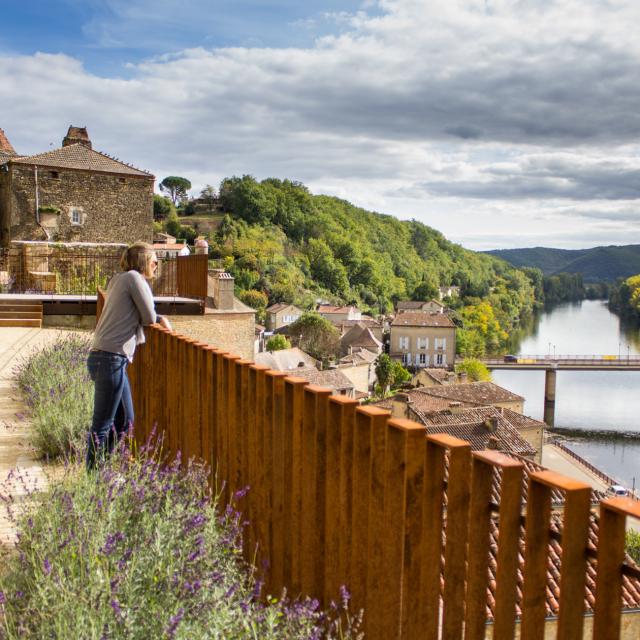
x: 5, y: 215
x: 107, y: 207
x: 233, y: 332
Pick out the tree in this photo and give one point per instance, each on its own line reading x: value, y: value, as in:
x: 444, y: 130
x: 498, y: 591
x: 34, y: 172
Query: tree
x: 162, y: 207
x: 399, y: 375
x: 315, y: 335
x: 277, y: 343
x: 384, y: 372
x: 209, y: 195
x: 476, y: 371
x: 632, y: 546
x: 176, y: 187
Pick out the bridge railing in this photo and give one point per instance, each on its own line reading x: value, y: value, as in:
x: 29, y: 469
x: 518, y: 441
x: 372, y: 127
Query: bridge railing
x: 342, y: 494
x: 599, y: 359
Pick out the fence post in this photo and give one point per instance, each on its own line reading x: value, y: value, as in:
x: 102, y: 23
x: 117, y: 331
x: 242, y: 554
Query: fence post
x: 611, y: 545
x: 313, y: 498
x: 369, y: 421
x: 573, y: 572
x: 292, y: 449
x: 485, y: 463
x: 338, y: 461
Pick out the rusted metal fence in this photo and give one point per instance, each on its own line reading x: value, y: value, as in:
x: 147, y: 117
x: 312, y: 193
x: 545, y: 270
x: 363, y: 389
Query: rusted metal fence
x: 342, y: 494
x: 80, y: 272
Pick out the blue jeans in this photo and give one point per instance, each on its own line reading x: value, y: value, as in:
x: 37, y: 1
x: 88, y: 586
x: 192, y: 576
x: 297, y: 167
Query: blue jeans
x: 113, y: 406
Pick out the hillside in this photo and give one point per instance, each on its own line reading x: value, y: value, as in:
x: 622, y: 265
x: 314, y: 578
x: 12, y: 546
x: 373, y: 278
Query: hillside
x: 283, y: 244
x: 599, y: 264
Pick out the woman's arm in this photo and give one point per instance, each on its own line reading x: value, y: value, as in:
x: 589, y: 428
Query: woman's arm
x: 142, y: 297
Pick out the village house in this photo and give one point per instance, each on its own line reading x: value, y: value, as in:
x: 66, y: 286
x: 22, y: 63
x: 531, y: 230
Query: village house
x: 338, y: 314
x: 360, y: 367
x: 451, y: 291
x: 281, y: 314
x: 376, y: 328
x: 358, y: 337
x: 429, y: 377
x: 476, y: 394
x: 286, y: 359
x: 73, y: 194
x: 166, y: 245
x: 430, y: 306
x: 423, y: 339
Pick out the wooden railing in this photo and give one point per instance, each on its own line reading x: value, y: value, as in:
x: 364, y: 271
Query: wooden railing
x: 342, y: 494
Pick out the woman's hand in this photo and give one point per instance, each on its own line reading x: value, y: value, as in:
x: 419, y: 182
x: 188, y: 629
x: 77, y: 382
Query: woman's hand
x: 164, y: 323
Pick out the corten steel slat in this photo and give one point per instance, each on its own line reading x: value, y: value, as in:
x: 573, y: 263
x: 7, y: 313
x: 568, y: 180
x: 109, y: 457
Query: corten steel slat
x: 293, y: 401
x: 171, y: 436
x: 313, y: 442
x: 259, y: 490
x: 434, y: 492
x: 457, y: 532
x: 611, y: 545
x: 339, y: 422
x: 248, y: 510
x: 208, y: 411
x: 346, y: 487
x: 202, y: 395
x: 220, y: 399
x: 536, y: 558
x: 181, y: 400
x: 377, y: 526
x: 241, y: 428
x: 367, y: 420
x: 228, y: 425
x: 188, y: 414
x: 266, y: 523
x: 404, y: 463
x: 480, y: 514
x: 573, y: 569
x: 160, y: 388
x: 278, y: 488
x: 508, y: 549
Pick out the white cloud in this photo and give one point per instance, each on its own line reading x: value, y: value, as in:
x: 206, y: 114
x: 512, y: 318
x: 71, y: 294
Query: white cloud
x: 473, y: 116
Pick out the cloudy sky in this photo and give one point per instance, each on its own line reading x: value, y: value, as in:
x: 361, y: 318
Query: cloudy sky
x: 502, y: 123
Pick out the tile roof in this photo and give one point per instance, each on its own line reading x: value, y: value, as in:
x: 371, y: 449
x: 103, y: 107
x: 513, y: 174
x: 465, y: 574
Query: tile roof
x: 329, y: 378
x: 478, y: 425
x: 478, y: 393
x: 328, y: 308
x: 420, y: 402
x: 285, y: 359
x: 422, y: 319
x: 360, y: 336
x: 439, y: 375
x: 361, y: 356
x: 78, y: 156
x: 6, y: 148
x: 279, y: 306
x: 411, y: 305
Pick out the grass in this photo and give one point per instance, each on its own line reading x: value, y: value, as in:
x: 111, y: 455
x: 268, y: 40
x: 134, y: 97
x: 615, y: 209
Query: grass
x: 58, y: 392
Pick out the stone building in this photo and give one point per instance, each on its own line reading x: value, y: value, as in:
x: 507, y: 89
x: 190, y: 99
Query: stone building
x: 72, y: 194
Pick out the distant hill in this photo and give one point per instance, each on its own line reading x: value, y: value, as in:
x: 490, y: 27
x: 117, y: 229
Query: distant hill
x: 600, y: 264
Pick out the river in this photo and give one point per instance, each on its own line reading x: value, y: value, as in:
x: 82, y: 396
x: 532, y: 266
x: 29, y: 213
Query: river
x: 600, y: 408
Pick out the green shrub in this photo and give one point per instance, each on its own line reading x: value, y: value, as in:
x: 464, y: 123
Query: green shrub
x: 138, y: 550
x: 58, y: 392
x: 277, y: 343
x: 633, y: 545
x: 475, y: 370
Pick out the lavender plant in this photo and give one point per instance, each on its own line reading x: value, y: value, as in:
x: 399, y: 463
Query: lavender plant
x: 59, y: 395
x: 138, y: 550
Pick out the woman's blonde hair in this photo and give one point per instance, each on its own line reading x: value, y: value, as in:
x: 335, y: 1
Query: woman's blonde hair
x: 138, y: 257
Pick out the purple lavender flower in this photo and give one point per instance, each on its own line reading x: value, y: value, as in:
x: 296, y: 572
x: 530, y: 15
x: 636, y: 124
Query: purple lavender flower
x: 47, y: 566
x: 174, y: 621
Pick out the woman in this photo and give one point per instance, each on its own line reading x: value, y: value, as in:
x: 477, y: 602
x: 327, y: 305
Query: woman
x: 128, y: 307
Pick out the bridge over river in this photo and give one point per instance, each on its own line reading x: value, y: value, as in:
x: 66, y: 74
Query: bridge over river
x: 551, y: 364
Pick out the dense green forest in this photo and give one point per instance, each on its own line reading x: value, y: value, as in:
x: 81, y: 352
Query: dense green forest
x: 281, y: 243
x: 599, y: 264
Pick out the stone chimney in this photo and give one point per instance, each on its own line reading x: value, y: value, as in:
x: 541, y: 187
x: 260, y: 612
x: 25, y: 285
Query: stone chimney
x: 455, y: 407
x: 223, y: 287
x: 463, y: 377
x: 400, y: 405
x: 491, y: 424
x: 493, y: 443
x: 77, y: 135
x: 6, y: 147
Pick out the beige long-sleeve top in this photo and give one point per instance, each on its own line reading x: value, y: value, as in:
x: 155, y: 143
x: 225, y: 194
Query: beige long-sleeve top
x: 128, y: 307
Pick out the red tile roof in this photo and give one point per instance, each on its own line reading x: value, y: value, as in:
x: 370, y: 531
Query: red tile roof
x: 422, y: 319
x: 78, y: 156
x: 477, y: 393
x: 6, y: 148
